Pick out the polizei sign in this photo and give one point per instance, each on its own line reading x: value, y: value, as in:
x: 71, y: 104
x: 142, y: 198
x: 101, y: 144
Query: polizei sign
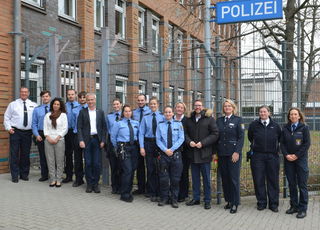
x: 248, y: 10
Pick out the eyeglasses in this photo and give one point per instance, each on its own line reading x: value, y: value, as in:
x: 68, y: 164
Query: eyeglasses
x: 197, y: 105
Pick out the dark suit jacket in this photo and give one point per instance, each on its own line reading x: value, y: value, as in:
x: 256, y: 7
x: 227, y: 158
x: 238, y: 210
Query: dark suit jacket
x: 84, y: 126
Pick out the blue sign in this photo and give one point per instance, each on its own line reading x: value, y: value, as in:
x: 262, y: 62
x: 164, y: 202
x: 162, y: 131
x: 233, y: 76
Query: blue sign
x: 248, y: 10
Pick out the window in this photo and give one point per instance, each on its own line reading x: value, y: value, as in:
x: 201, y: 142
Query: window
x: 247, y: 92
x: 179, y: 46
x: 98, y: 14
x: 155, y: 34
x: 200, y: 9
x: 197, y: 55
x: 68, y: 76
x: 141, y: 26
x: 142, y: 87
x: 199, y: 95
x: 67, y: 8
x: 120, y: 13
x: 38, y: 3
x: 192, y: 99
x: 121, y: 88
x: 170, y: 41
x: 35, y: 78
x: 180, y: 94
x: 171, y: 96
x: 156, y: 90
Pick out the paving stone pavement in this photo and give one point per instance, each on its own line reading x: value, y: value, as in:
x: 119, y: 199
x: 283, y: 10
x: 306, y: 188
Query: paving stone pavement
x: 33, y: 205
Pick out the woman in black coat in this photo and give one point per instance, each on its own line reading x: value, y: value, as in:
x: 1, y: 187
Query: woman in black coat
x: 230, y: 143
x: 295, y: 142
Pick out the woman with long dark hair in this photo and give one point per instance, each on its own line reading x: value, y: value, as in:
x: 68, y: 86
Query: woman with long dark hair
x: 55, y: 127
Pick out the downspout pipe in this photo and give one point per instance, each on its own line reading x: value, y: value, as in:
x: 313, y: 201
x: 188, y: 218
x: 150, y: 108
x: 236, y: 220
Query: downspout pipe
x: 17, y: 46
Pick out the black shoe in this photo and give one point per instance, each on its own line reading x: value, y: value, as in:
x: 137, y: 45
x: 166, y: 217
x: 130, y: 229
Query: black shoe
x: 43, y: 179
x: 67, y: 180
x: 233, y: 209
x: 274, y: 209
x: 129, y: 199
x: 301, y: 214
x: 260, y: 208
x: 181, y: 200
x: 162, y: 202
x: 147, y: 195
x: 25, y: 178
x: 96, y: 188
x: 174, y: 204
x: 77, y: 183
x: 291, y: 210
x: 193, y: 202
x: 137, y: 192
x: 227, y: 206
x: 207, y: 205
x: 15, y: 180
x: 58, y: 185
x: 154, y: 199
x: 89, y: 188
x: 52, y: 184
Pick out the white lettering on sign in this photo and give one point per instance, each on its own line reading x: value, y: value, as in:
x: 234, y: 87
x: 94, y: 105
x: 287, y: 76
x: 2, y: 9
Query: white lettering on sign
x: 248, y: 10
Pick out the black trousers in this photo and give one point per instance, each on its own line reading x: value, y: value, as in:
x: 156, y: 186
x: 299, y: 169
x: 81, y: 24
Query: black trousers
x: 230, y: 175
x: 115, y: 165
x: 78, y: 160
x: 184, y: 180
x: 265, y: 172
x: 297, y: 173
x: 141, y: 174
x: 69, y: 141
x: 42, y: 155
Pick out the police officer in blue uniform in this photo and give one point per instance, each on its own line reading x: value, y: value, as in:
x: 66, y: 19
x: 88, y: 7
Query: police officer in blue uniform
x: 230, y: 143
x: 124, y: 137
x: 37, y: 130
x: 169, y: 138
x: 138, y: 114
x: 148, y: 147
x: 295, y: 142
x: 115, y: 166
x: 78, y: 152
x: 264, y: 135
x: 69, y: 138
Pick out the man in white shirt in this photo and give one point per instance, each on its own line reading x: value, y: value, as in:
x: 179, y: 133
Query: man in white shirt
x: 18, y: 121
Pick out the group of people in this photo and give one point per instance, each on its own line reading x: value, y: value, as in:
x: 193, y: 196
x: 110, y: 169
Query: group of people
x: 165, y: 144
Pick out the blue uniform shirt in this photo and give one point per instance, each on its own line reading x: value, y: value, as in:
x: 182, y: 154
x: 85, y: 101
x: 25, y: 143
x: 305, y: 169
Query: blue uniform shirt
x: 137, y: 112
x: 37, y: 118
x: 177, y: 135
x: 75, y: 113
x: 69, y: 113
x: 120, y: 131
x: 145, y: 129
x: 111, y: 119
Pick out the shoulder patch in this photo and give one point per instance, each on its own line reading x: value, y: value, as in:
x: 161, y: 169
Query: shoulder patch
x: 161, y: 122
x: 110, y: 113
x: 146, y: 114
x: 176, y: 121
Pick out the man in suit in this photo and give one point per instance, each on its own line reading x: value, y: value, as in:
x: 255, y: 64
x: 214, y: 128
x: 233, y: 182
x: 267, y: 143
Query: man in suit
x: 92, y: 138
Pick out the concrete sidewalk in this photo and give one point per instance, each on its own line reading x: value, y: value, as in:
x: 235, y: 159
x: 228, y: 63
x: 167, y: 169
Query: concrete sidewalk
x: 33, y: 205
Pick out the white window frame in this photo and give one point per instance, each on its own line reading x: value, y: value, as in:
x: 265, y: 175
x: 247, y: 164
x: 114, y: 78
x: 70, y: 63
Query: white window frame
x: 179, y: 45
x: 156, y: 29
x: 199, y: 94
x: 141, y: 26
x: 143, y: 87
x: 102, y: 16
x: 37, y: 3
x: 61, y: 8
x: 122, y: 89
x: 247, y: 92
x: 197, y: 55
x: 170, y: 41
x: 156, y: 93
x: 123, y: 19
x: 171, y: 95
x: 70, y: 81
x: 180, y: 94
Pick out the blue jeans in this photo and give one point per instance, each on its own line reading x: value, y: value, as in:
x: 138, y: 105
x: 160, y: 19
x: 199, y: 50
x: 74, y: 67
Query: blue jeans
x: 92, y: 157
x: 204, y: 168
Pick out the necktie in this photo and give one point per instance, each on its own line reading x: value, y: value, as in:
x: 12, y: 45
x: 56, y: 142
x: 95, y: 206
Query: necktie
x: 46, y: 109
x: 265, y: 124
x: 131, y: 133
x: 117, y: 116
x: 293, y: 127
x: 71, y: 105
x: 141, y: 114
x: 154, y: 124
x: 226, y: 120
x: 25, y: 115
x: 169, y: 136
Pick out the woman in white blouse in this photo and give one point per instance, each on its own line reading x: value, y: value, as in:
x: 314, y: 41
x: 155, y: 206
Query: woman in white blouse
x: 55, y: 127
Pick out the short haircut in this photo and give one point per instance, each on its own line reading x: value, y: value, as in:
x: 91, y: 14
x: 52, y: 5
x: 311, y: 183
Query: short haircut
x: 91, y: 94
x: 43, y: 92
x: 72, y: 90
x: 117, y: 99
x: 24, y: 87
x: 265, y: 107
x: 181, y: 103
x: 231, y: 102
x: 154, y: 99
x: 198, y: 100
x: 82, y: 94
x: 142, y: 95
x: 301, y: 115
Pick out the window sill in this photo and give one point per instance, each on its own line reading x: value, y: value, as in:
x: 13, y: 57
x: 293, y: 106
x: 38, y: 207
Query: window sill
x: 124, y: 42
x: 38, y: 9
x: 143, y: 49
x: 97, y: 31
x: 69, y: 21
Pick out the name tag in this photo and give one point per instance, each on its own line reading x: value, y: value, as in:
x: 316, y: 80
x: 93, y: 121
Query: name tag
x: 231, y: 125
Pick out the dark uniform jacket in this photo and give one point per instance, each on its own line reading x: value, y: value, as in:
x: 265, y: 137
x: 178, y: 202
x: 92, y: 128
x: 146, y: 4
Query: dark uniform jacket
x: 296, y: 142
x: 231, y: 135
x: 204, y: 131
x: 84, y: 126
x: 264, y: 139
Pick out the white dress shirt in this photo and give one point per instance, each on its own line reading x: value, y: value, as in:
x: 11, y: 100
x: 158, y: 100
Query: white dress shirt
x: 268, y: 121
x: 93, y: 121
x: 62, y: 126
x: 13, y: 117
